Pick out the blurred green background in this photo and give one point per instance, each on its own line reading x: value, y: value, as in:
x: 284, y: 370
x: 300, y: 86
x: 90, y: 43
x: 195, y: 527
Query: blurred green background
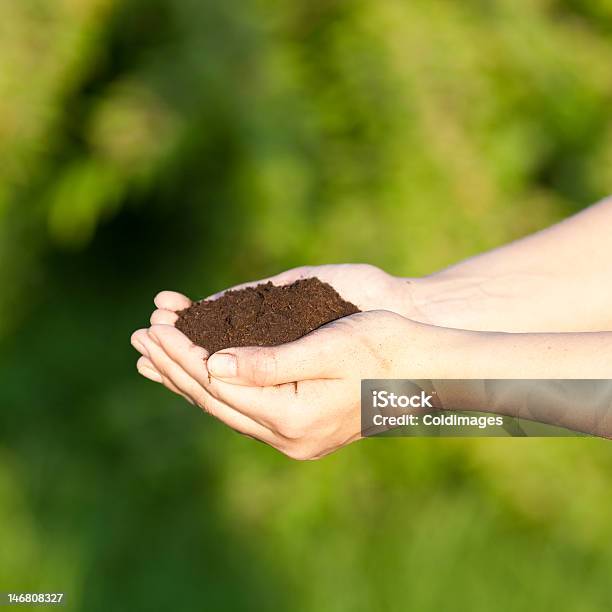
x: 150, y: 144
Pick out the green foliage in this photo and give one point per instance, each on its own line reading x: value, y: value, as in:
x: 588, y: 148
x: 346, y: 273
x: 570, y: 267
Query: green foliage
x: 192, y: 145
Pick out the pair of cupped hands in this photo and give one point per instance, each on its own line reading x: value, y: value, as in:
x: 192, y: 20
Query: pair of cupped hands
x: 303, y: 397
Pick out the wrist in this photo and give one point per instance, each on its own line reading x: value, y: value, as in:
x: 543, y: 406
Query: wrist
x: 423, y: 300
x: 430, y: 351
x: 514, y: 302
x: 454, y: 360
x: 410, y: 298
x: 453, y: 302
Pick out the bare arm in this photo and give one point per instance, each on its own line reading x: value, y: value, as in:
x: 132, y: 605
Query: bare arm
x: 575, y: 358
x: 559, y: 279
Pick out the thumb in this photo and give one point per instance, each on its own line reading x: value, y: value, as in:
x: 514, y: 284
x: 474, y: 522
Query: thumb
x: 313, y: 356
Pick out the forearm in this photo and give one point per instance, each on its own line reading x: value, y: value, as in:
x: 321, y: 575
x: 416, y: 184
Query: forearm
x: 532, y: 355
x: 536, y: 361
x: 559, y: 279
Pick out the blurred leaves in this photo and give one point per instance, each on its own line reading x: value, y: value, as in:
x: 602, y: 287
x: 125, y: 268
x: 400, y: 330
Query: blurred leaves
x: 187, y: 144
x: 80, y: 198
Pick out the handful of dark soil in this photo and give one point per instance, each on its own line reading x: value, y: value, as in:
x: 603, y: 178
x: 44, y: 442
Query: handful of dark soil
x: 264, y: 315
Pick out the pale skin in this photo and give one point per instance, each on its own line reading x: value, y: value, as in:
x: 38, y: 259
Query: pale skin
x: 540, y: 307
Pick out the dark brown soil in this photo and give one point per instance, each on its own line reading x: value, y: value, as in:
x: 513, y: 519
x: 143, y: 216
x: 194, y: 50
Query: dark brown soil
x: 265, y: 315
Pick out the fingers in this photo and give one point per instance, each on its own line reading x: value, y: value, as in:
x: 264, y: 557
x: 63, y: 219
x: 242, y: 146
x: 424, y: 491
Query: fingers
x: 279, y: 408
x: 181, y: 350
x: 307, y: 422
x: 163, y: 317
x: 282, y: 409
x: 293, y: 418
x: 168, y: 368
x: 263, y: 405
x: 147, y: 369
x: 142, y: 343
x: 175, y: 378
x: 318, y: 355
x: 171, y: 300
x: 164, y: 381
x: 136, y: 342
x: 266, y: 405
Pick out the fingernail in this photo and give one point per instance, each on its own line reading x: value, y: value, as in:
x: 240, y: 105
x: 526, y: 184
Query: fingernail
x: 222, y: 365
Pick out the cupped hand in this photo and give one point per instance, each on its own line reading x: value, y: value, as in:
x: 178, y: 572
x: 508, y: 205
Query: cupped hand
x: 366, y: 286
x: 303, y: 397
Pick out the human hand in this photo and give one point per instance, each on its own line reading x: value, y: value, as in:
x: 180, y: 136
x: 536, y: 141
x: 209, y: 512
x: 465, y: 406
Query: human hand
x: 303, y: 397
x: 366, y: 286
